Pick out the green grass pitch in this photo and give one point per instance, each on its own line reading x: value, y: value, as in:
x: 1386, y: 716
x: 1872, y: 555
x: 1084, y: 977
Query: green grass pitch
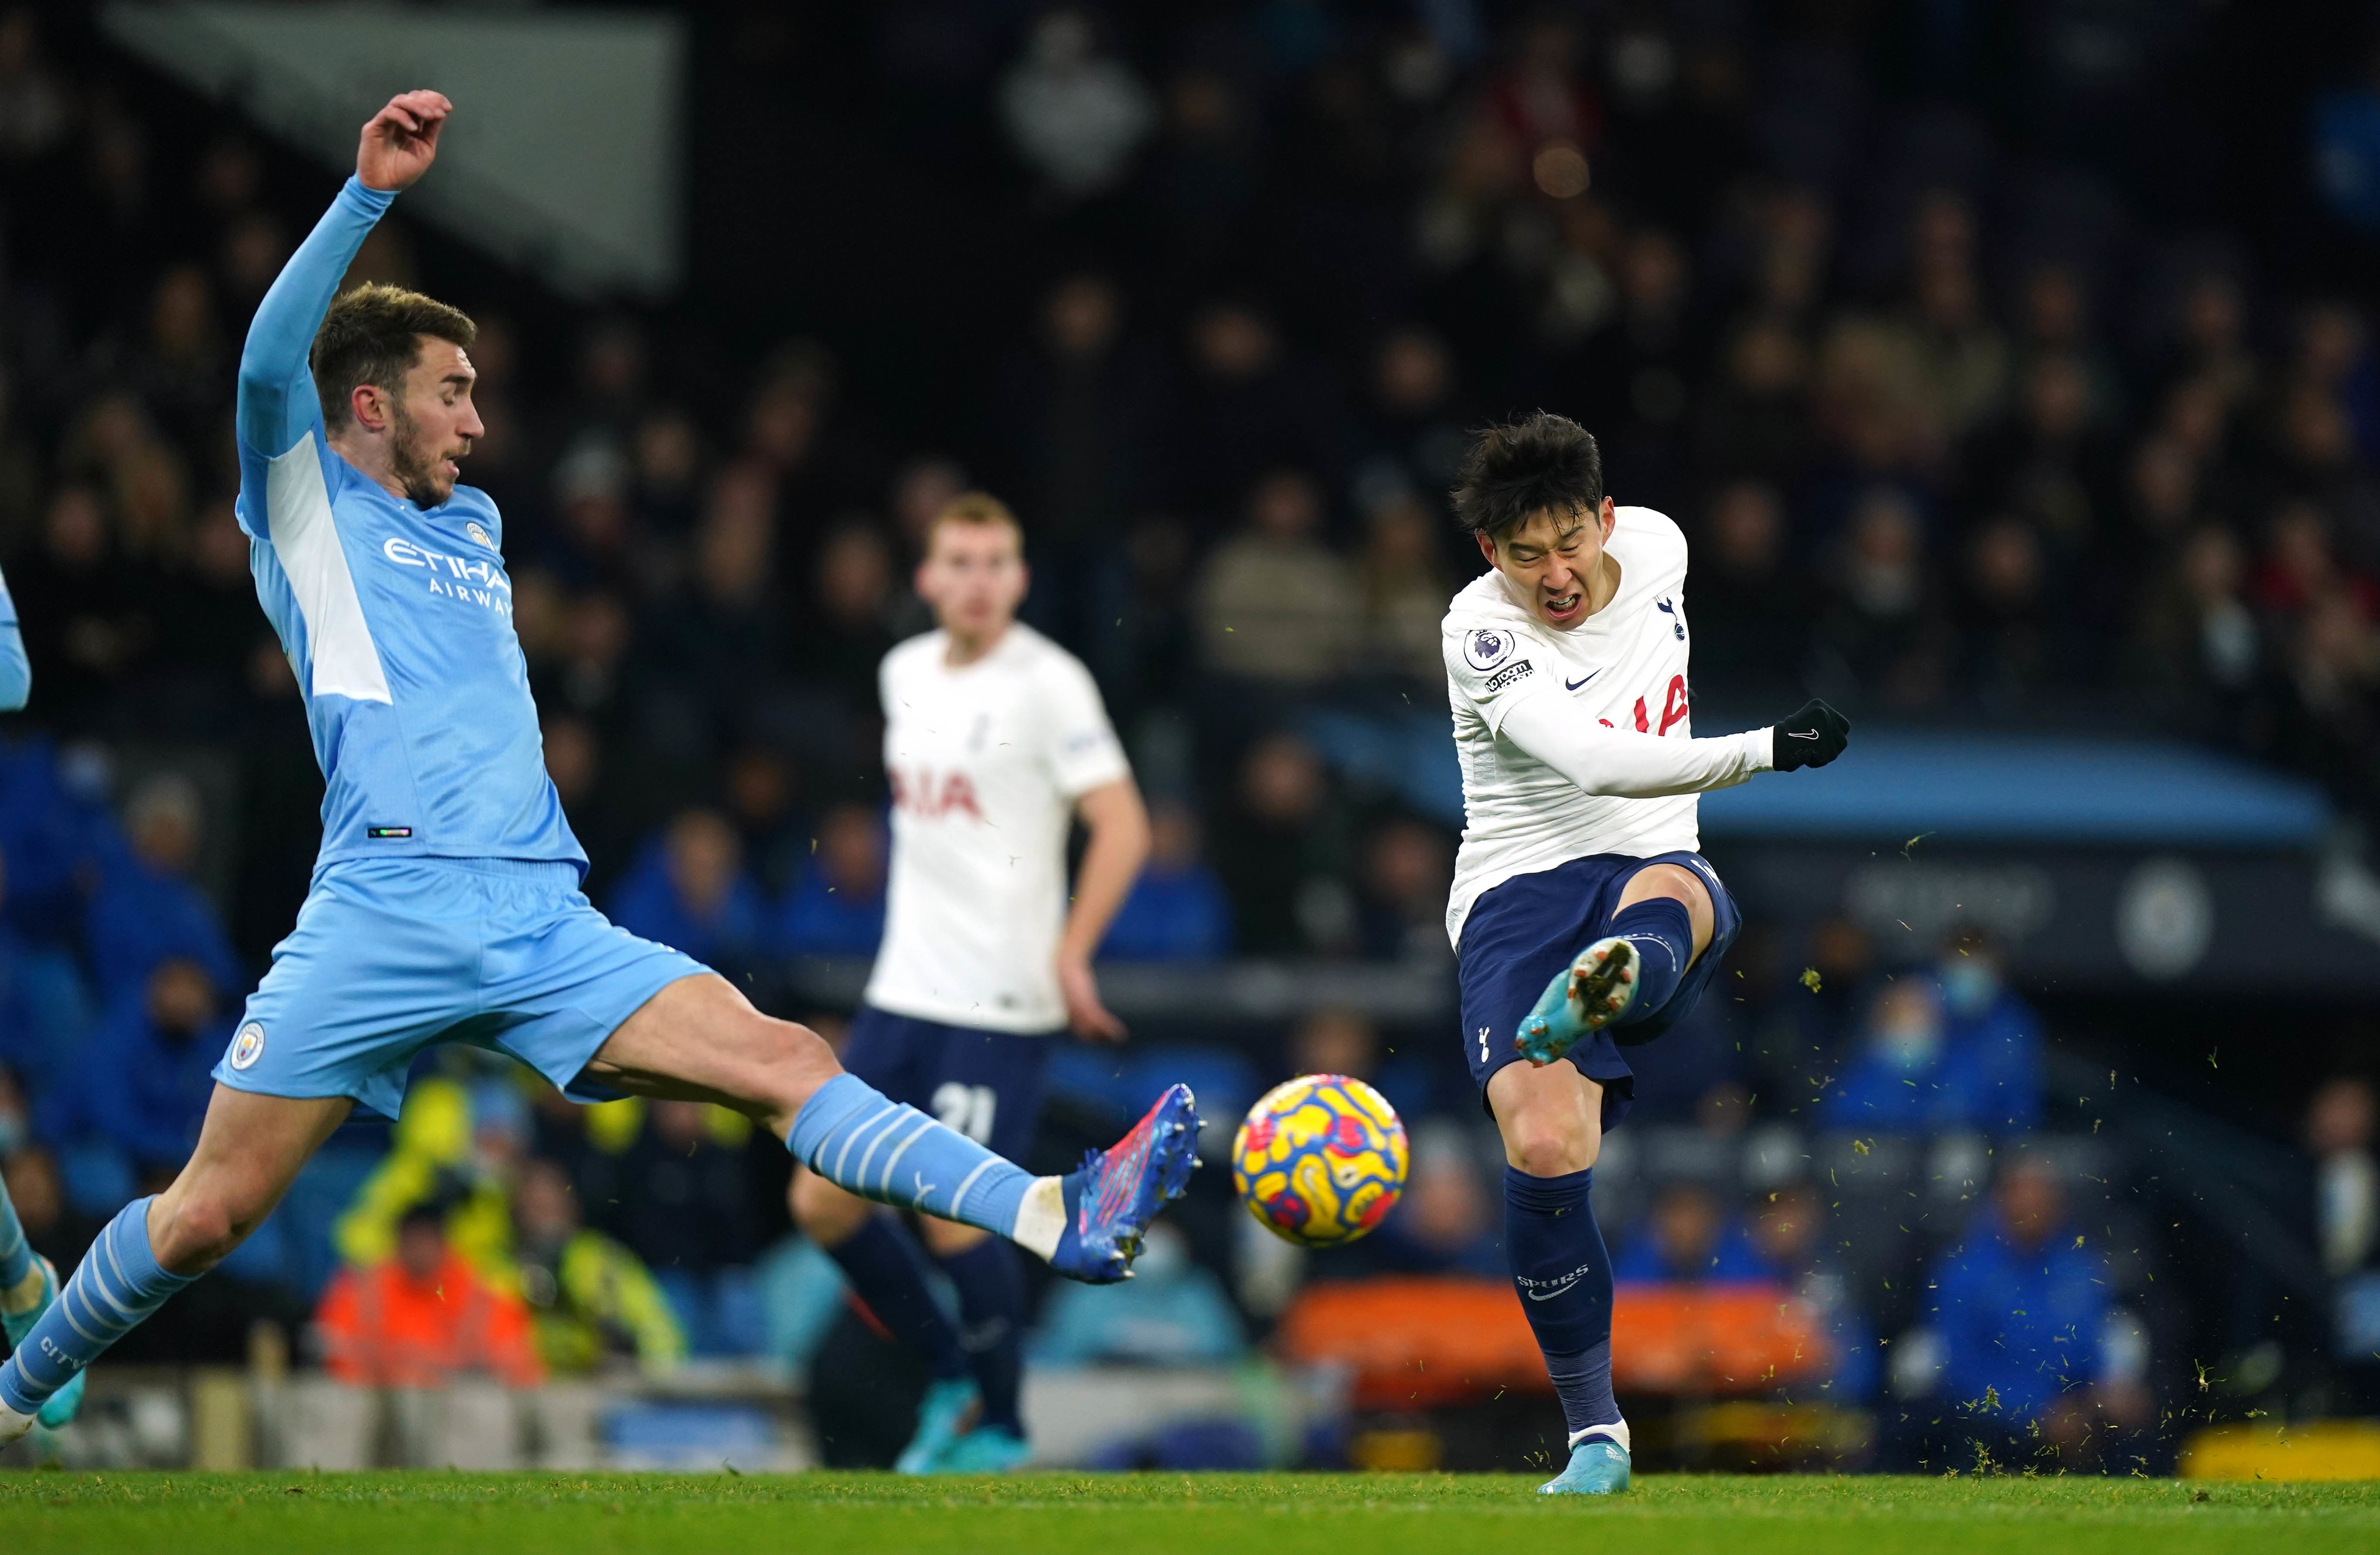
x: 415, y: 1513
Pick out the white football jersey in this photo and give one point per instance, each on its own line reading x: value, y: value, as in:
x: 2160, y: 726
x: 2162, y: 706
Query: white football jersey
x: 1623, y: 666
x: 985, y: 761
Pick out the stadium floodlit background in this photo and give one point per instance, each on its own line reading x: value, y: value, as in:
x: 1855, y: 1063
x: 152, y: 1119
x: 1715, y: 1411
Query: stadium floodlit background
x: 2010, y: 367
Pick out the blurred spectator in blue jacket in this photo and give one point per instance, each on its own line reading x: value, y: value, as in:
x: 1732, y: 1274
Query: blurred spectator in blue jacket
x: 44, y: 1007
x: 1948, y: 1049
x: 146, y: 908
x: 147, y: 1074
x: 2020, y: 1322
x: 1690, y: 1236
x: 688, y: 889
x: 1171, y: 1312
x: 1992, y: 1062
x: 1178, y: 910
x: 1788, y: 1233
x: 1445, y: 1223
x: 837, y: 906
x: 54, y: 832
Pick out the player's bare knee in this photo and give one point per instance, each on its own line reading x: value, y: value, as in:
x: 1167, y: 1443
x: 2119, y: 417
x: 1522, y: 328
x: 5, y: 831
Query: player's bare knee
x: 1549, y: 1147
x: 197, y: 1232
x: 785, y: 1064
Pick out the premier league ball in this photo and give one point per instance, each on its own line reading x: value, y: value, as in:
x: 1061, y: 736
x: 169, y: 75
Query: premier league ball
x: 1321, y: 1160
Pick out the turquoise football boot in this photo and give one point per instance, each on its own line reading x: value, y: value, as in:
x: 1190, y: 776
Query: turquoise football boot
x: 987, y: 1449
x: 950, y: 1405
x: 1587, y: 995
x: 62, y: 1404
x: 1116, y: 1193
x: 1598, y: 1466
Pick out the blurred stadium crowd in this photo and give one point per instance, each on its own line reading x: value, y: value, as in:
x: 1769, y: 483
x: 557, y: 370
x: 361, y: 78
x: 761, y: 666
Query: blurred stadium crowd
x: 1958, y: 435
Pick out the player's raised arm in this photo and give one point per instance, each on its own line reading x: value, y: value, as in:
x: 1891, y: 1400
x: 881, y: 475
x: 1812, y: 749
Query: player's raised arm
x: 277, y: 404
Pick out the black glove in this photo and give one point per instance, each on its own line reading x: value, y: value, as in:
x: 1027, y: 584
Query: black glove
x: 1812, y: 737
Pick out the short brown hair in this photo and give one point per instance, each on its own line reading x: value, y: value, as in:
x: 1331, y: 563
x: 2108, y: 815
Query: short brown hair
x: 373, y: 335
x: 976, y: 507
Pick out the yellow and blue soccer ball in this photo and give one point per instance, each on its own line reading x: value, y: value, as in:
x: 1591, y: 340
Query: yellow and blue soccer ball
x: 1321, y: 1160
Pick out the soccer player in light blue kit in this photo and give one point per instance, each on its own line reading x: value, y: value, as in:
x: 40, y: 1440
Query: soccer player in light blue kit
x: 445, y: 905
x: 28, y: 1284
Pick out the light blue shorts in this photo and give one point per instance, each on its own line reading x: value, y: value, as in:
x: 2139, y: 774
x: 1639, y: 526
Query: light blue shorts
x: 391, y: 956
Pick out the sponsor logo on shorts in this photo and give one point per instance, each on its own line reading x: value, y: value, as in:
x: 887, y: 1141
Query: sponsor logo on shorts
x: 1486, y: 647
x: 1508, y: 674
x: 388, y: 834
x: 248, y: 1046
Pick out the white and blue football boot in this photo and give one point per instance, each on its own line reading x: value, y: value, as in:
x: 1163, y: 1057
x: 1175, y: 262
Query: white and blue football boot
x: 1116, y: 1193
x: 62, y: 1405
x: 949, y: 1404
x: 1598, y: 1465
x: 1587, y: 995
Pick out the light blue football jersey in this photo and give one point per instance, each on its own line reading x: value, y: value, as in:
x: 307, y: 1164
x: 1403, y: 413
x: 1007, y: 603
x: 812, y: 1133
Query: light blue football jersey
x: 397, y: 621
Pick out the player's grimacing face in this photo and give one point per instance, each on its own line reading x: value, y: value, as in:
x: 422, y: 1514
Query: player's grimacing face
x: 973, y: 576
x: 1551, y: 560
x: 434, y: 422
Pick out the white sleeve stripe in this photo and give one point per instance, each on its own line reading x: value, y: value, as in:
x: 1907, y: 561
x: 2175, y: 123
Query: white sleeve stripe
x: 345, y: 662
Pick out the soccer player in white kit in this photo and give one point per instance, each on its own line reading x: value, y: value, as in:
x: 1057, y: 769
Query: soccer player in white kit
x: 1583, y: 917
x: 994, y: 739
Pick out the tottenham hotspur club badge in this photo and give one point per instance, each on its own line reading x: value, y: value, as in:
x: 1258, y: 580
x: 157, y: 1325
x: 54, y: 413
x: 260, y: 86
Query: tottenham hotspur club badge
x: 1486, y: 647
x: 247, y: 1047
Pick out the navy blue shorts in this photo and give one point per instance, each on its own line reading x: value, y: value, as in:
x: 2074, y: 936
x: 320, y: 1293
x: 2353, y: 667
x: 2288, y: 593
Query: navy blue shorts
x: 986, y: 1084
x: 1521, y: 932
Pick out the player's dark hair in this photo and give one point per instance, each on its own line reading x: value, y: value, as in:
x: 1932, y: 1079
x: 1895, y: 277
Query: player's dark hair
x: 373, y: 335
x: 1512, y: 472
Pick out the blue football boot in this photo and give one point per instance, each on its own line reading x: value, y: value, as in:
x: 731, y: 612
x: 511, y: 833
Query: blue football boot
x: 1587, y: 995
x: 61, y: 1405
x: 950, y: 1404
x: 1119, y: 1190
x: 1598, y: 1466
x: 986, y: 1450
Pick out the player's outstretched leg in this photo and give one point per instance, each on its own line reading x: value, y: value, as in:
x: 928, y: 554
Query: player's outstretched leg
x: 1664, y: 920
x: 249, y: 1150
x: 700, y: 1039
x: 1087, y: 1225
x: 28, y: 1284
x: 1551, y: 1119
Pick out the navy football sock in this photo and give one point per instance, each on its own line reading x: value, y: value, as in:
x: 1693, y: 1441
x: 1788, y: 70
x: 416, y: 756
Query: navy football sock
x: 1563, y: 1276
x: 1584, y: 1383
x: 886, y: 1267
x: 1663, y: 933
x: 117, y: 1285
x: 991, y: 1281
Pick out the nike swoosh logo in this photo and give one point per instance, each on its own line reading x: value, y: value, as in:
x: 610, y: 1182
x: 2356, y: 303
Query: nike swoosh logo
x: 1574, y: 685
x: 1563, y: 1289
x: 1798, y: 734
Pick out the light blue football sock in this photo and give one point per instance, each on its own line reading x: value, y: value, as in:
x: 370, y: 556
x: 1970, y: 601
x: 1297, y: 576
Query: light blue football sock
x: 118, y: 1286
x: 15, y: 1253
x: 850, y: 1135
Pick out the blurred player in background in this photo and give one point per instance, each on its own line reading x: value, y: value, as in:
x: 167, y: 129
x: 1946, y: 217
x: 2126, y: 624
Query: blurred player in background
x: 445, y: 905
x: 994, y: 739
x: 1567, y: 665
x: 28, y: 1284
